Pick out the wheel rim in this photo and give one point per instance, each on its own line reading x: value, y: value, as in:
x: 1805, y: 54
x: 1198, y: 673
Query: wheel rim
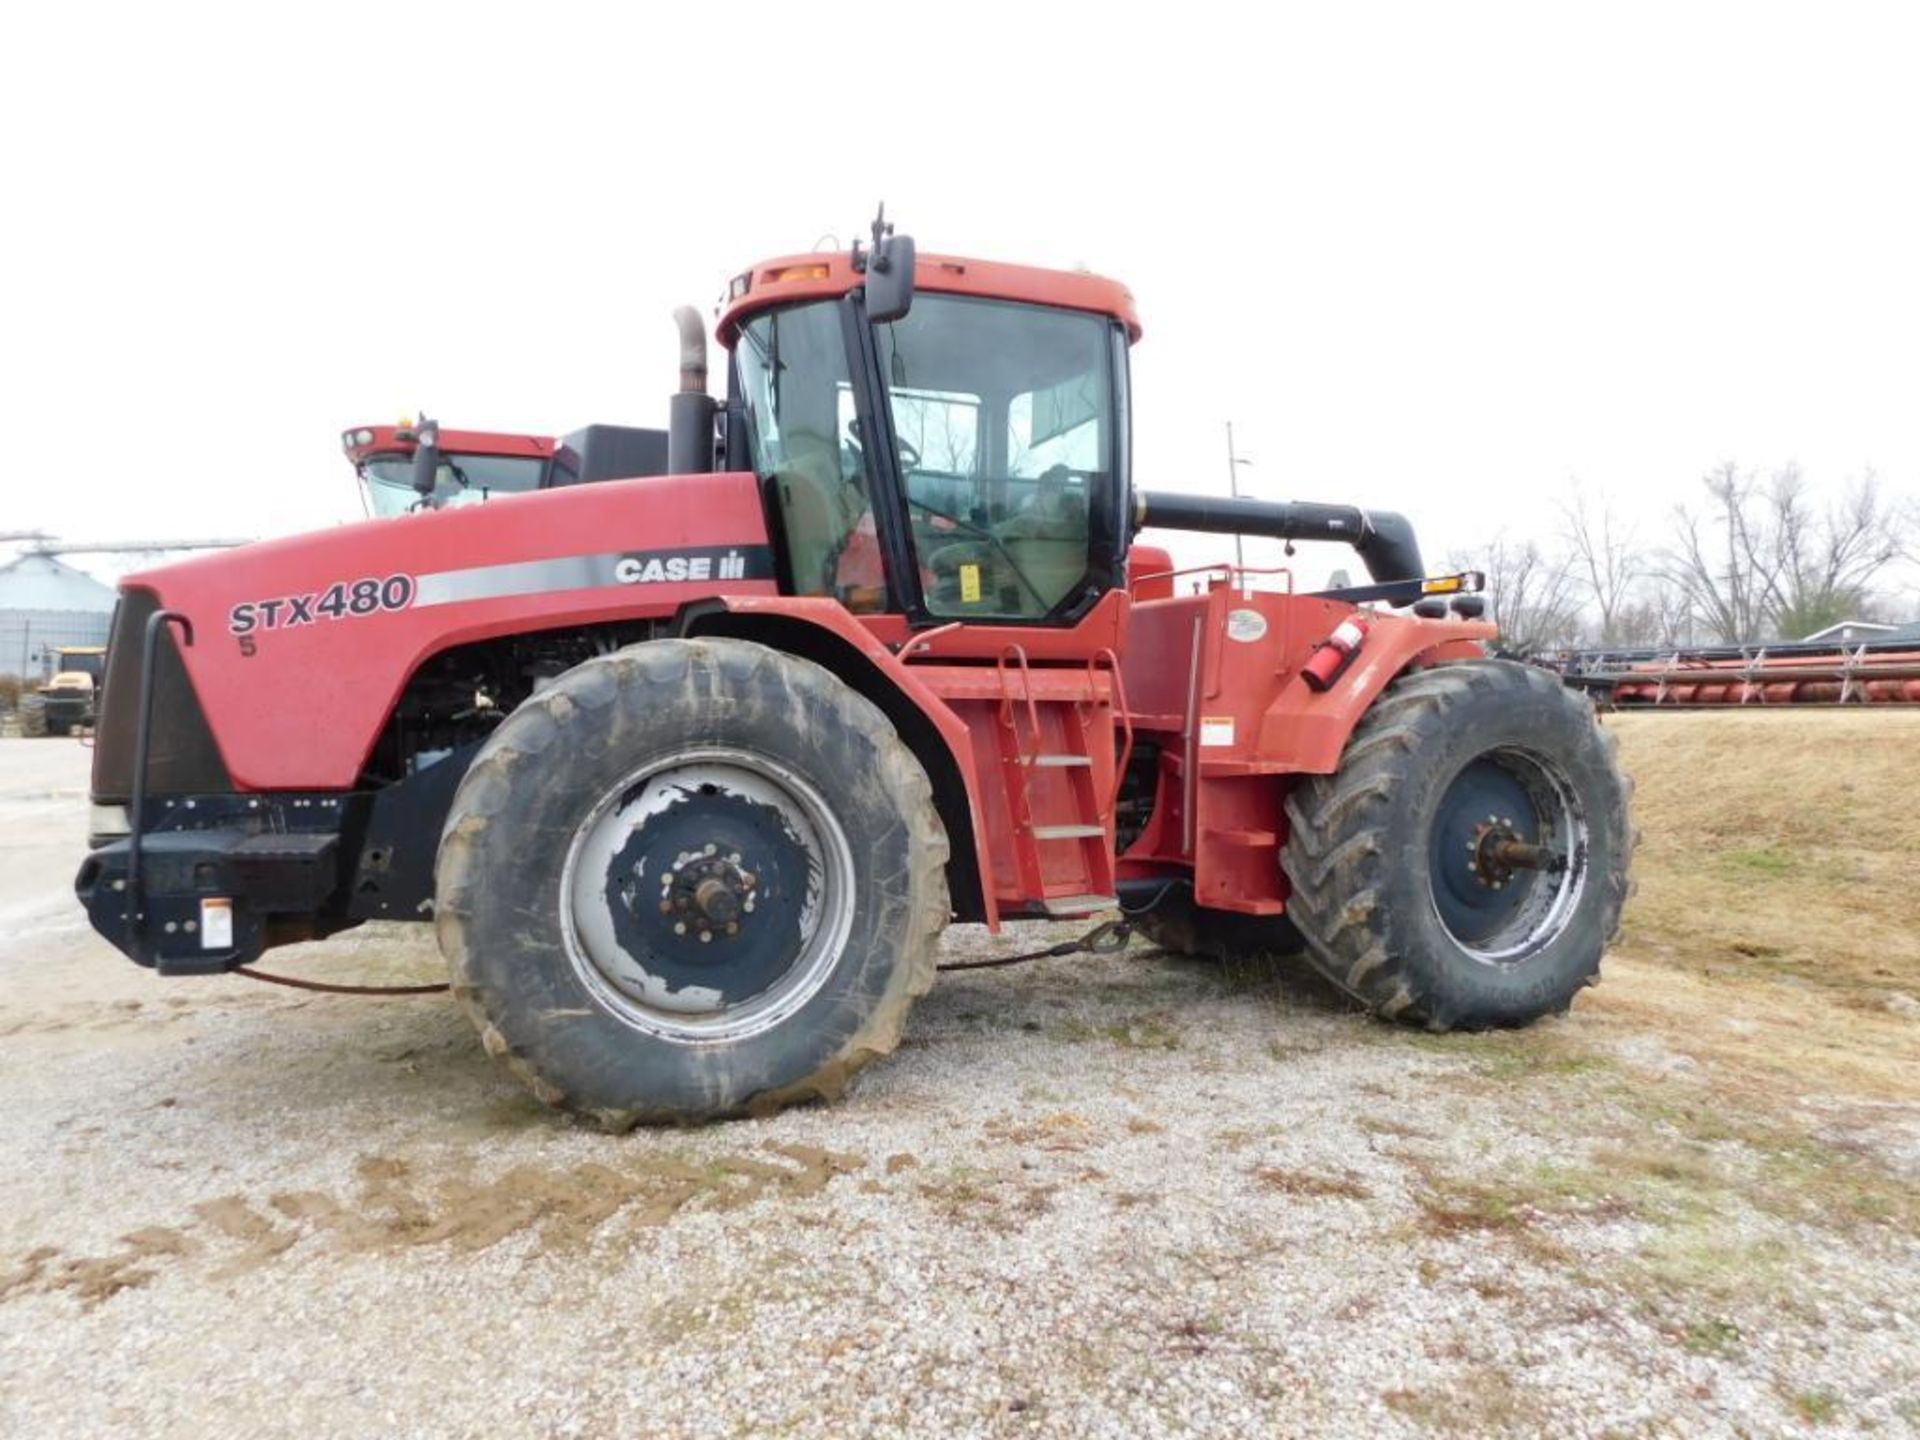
x: 707, y: 896
x: 1507, y: 856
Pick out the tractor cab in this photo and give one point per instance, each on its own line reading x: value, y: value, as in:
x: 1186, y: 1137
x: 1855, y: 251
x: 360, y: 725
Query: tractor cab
x: 418, y: 465
x: 413, y: 466
x: 961, y: 456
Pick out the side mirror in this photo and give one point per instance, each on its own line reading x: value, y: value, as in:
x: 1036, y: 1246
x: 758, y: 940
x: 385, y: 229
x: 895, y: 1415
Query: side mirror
x: 426, y: 459
x: 889, y: 272
x: 890, y: 280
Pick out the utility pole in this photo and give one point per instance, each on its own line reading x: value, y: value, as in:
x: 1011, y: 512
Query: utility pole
x: 1234, y: 462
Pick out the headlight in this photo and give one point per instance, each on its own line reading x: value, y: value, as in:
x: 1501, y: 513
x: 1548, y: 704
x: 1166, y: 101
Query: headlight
x: 105, y: 824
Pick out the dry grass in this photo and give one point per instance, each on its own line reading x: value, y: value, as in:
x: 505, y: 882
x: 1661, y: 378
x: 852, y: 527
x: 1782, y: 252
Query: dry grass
x: 1777, y: 926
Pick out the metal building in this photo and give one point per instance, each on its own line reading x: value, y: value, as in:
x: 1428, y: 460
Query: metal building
x: 45, y: 603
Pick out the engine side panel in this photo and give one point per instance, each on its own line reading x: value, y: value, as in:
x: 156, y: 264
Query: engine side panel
x: 301, y: 646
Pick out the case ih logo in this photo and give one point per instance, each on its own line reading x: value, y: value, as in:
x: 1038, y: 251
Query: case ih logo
x: 656, y: 568
x: 376, y: 595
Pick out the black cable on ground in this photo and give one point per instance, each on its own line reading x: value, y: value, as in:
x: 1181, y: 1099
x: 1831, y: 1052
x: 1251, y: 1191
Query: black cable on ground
x: 323, y: 988
x: 1106, y: 939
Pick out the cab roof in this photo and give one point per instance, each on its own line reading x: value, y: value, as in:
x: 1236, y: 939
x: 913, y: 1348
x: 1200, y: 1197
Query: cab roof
x: 829, y: 273
x: 366, y: 441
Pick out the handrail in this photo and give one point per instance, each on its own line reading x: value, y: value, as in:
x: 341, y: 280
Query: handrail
x: 137, y: 802
x: 1126, y: 719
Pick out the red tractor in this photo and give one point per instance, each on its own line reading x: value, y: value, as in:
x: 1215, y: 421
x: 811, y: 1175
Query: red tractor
x: 690, y: 767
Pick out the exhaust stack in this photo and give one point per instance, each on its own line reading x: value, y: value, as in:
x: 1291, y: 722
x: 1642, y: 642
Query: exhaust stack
x: 690, y: 411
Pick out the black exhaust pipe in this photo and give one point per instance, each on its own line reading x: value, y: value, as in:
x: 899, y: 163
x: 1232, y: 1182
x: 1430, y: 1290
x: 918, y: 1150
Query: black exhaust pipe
x: 690, y: 412
x: 1384, y: 540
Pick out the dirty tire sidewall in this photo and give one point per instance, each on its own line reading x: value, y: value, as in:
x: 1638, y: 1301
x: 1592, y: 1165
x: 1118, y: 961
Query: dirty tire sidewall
x: 500, y: 913
x: 33, y: 717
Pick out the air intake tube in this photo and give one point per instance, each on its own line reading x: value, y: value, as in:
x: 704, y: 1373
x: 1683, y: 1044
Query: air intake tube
x: 1384, y: 540
x: 690, y: 412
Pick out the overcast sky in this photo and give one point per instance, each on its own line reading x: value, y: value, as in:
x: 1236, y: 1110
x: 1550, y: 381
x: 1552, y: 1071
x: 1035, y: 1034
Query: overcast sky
x: 1452, y: 260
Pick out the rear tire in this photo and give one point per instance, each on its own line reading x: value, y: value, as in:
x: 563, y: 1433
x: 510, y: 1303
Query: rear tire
x: 33, y: 717
x: 690, y: 880
x: 1391, y: 858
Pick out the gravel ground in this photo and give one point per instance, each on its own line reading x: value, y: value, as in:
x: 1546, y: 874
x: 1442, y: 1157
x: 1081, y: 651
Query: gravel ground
x: 1115, y: 1197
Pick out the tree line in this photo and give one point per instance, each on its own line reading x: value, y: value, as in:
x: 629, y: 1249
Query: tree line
x: 1755, y: 558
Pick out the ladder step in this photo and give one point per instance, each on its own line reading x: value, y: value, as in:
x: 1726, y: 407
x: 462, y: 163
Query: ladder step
x: 1067, y: 832
x: 1058, y: 762
x: 1077, y: 904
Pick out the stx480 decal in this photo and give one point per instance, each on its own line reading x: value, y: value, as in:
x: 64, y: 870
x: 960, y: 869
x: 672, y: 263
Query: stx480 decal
x: 376, y: 594
x: 344, y: 599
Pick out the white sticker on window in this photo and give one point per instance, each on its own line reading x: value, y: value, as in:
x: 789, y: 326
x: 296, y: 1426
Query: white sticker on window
x: 1216, y: 729
x: 216, y: 924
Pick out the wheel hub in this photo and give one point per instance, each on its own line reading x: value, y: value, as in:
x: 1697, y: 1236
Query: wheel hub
x: 707, y: 894
x: 1498, y: 850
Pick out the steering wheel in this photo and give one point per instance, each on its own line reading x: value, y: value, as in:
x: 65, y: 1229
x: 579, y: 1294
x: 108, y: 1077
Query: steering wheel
x: 909, y: 457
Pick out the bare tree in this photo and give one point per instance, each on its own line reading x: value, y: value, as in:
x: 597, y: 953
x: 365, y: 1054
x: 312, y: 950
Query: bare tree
x: 1765, y: 561
x: 1830, y: 560
x: 1605, y: 559
x: 1655, y: 613
x: 1533, y: 593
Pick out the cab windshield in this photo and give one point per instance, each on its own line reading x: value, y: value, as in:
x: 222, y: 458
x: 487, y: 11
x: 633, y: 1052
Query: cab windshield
x: 387, y: 480
x: 1004, y: 419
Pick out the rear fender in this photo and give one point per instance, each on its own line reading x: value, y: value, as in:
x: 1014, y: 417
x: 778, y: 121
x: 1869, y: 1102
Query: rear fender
x: 1305, y: 731
x: 825, y: 632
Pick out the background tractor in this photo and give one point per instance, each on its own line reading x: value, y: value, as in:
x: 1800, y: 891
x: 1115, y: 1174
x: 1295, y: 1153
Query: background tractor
x: 65, y: 703
x: 689, y: 766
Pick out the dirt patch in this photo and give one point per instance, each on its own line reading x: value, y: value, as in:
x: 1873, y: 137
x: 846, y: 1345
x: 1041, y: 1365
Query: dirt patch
x: 395, y: 1205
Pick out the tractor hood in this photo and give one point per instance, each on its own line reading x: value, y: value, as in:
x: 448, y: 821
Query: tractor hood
x: 300, y: 646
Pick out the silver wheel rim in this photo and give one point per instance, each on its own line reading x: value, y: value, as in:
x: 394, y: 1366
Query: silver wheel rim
x: 1541, y: 914
x: 621, y: 980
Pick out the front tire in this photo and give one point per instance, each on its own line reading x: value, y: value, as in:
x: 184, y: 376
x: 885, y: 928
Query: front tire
x: 690, y: 880
x: 1424, y: 870
x: 33, y: 717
